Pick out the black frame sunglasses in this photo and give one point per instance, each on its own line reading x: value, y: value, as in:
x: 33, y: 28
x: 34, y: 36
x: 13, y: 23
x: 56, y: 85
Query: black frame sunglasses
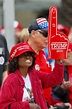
x: 44, y: 33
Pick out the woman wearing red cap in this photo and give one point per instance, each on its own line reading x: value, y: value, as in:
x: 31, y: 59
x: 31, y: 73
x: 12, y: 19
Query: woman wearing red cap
x: 23, y: 88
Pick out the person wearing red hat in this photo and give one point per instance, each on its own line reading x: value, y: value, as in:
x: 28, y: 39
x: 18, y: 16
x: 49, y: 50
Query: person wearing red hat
x: 23, y: 88
x: 68, y: 64
x: 17, y: 29
x: 63, y: 29
x: 2, y: 30
x: 57, y: 93
x: 63, y: 92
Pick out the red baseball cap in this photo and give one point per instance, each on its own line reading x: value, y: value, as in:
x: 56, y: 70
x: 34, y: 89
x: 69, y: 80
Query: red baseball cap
x: 18, y: 49
x: 2, y: 30
x: 17, y: 25
x: 61, y: 27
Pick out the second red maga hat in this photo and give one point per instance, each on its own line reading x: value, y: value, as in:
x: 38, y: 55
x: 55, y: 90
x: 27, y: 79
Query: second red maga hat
x: 19, y: 49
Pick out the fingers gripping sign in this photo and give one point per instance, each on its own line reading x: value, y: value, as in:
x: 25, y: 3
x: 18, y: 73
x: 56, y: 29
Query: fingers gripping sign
x: 57, y: 42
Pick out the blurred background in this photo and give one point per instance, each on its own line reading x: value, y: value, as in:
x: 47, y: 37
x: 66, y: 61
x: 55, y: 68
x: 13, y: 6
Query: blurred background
x: 25, y: 11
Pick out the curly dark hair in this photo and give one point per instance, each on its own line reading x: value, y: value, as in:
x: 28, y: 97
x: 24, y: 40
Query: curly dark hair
x: 13, y: 64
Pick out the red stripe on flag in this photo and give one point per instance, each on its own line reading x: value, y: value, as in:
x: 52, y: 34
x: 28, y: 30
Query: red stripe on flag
x: 41, y: 20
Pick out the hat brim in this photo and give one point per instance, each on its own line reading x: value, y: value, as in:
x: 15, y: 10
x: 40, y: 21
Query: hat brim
x: 23, y: 51
x: 45, y: 29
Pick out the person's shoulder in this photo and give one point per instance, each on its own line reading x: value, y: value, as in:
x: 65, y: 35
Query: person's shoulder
x: 2, y: 38
x: 10, y: 81
x: 41, y: 52
x: 11, y: 78
x: 35, y: 72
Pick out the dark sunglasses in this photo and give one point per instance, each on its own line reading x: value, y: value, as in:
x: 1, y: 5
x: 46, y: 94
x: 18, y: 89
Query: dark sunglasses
x: 44, y: 33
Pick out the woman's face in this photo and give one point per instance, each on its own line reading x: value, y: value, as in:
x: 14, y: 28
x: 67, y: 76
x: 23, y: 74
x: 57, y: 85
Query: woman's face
x: 25, y: 60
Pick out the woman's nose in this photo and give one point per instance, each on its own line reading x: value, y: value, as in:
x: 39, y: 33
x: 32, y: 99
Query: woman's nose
x: 28, y: 56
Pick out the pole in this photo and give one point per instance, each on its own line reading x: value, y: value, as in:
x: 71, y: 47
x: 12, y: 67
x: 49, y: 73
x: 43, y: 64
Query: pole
x: 9, y: 15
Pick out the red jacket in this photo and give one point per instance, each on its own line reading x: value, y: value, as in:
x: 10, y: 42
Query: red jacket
x: 12, y: 88
x: 69, y: 68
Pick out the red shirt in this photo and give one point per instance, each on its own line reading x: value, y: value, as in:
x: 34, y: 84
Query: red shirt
x: 41, y: 62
